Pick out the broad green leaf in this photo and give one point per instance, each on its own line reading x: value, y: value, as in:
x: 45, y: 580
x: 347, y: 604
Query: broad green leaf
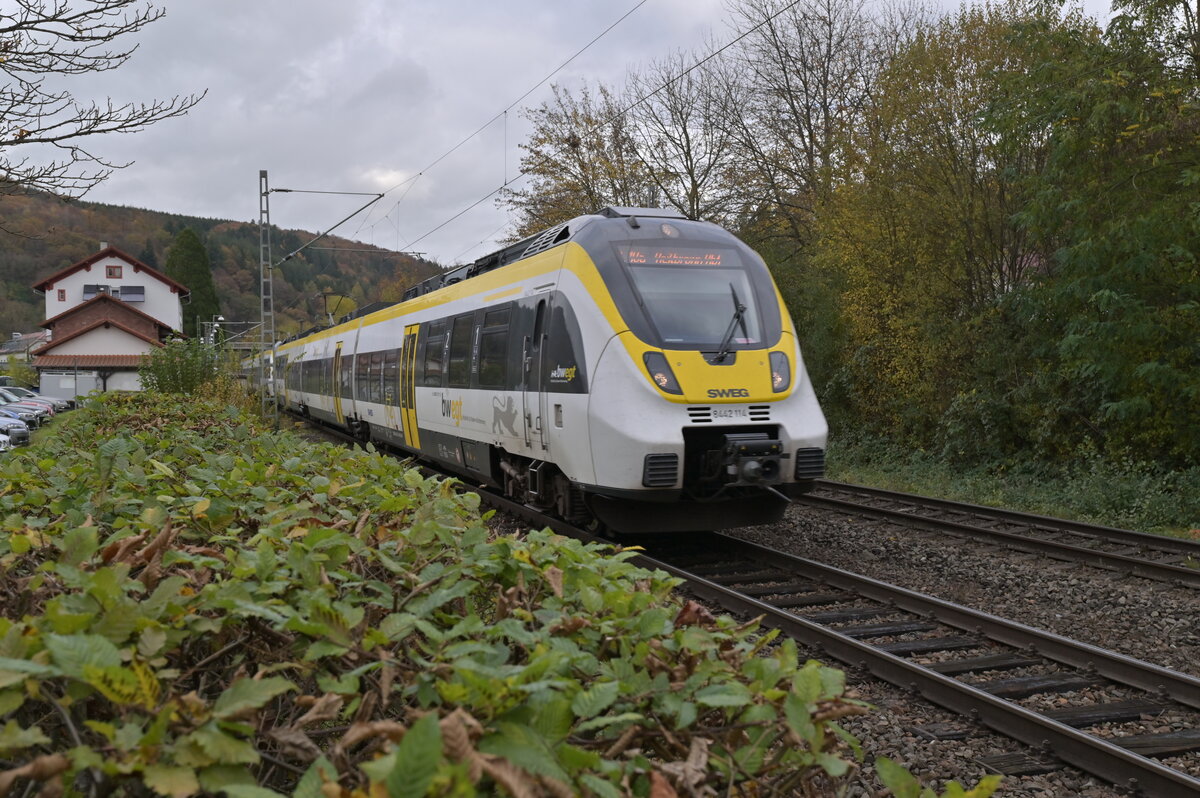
x: 417, y: 759
x: 602, y: 722
x: 250, y: 791
x: 11, y: 700
x: 833, y: 765
x: 594, y: 700
x: 799, y: 720
x: 902, y: 783
x: 15, y: 738
x: 525, y: 748
x: 729, y: 694
x: 221, y: 777
x: 73, y: 653
x: 318, y: 774
x: 223, y: 748
x: 246, y: 694
x: 601, y: 787
x: 175, y: 782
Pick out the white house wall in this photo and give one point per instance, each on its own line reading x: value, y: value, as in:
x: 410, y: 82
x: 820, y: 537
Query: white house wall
x: 124, y: 381
x: 111, y: 341
x: 161, y: 302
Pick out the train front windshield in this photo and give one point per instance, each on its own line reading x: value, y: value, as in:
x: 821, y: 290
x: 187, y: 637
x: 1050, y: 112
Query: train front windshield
x: 693, y: 296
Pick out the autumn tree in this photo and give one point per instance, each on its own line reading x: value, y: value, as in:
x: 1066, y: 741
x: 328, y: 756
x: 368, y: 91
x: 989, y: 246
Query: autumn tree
x: 923, y: 228
x: 43, y: 43
x: 681, y: 135
x: 797, y: 87
x: 187, y: 262
x: 581, y: 156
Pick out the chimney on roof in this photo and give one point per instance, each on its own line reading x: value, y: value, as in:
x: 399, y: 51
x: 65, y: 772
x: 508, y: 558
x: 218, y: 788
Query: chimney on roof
x: 103, y: 245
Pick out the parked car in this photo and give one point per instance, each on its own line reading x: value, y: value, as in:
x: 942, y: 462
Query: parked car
x: 59, y: 402
x: 12, y: 397
x: 16, y: 430
x: 26, y: 416
x: 5, y: 443
x: 41, y: 412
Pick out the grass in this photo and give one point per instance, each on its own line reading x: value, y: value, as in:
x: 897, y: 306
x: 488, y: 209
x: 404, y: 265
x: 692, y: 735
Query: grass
x: 1125, y: 494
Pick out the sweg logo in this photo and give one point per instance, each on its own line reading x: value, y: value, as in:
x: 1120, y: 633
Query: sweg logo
x: 564, y: 373
x: 452, y: 408
x: 717, y: 393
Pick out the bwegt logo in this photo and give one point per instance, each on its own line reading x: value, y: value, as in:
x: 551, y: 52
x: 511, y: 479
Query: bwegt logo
x: 452, y: 408
x: 563, y: 373
x: 724, y: 393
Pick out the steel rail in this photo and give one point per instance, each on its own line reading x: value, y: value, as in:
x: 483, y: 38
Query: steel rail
x: 1166, y: 572
x: 1043, y: 523
x: 1090, y: 754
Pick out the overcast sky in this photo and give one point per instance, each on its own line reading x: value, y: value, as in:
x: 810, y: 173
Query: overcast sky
x: 360, y: 95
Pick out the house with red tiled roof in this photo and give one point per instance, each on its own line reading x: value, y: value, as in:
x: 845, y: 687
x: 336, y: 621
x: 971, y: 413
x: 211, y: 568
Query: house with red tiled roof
x: 104, y: 313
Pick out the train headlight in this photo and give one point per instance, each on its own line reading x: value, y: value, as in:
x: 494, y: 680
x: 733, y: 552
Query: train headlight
x: 660, y: 372
x: 781, y: 372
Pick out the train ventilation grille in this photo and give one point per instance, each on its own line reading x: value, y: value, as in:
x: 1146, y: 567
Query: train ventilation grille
x: 810, y: 463
x: 760, y: 412
x: 700, y: 415
x: 660, y: 470
x: 550, y: 238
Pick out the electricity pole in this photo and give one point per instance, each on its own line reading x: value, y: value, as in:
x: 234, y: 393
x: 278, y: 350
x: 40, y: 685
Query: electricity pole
x: 267, y: 327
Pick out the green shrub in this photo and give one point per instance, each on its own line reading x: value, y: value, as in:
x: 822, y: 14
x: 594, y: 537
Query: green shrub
x: 190, y: 603
x: 180, y: 366
x: 1087, y: 486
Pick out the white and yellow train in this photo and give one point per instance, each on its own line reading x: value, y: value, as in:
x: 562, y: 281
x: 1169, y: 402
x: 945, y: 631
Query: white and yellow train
x: 629, y: 366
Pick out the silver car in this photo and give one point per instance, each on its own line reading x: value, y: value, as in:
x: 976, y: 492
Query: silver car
x: 24, y: 393
x: 16, y: 430
x: 39, y: 412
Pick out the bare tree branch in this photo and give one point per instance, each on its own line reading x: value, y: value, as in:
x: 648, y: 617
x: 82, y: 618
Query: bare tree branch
x: 43, y: 40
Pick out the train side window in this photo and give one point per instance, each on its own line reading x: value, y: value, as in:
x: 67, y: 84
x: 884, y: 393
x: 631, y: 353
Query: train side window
x: 493, y: 349
x: 362, y: 367
x: 434, y: 353
x: 347, y: 376
x: 391, y: 377
x: 376, y: 377
x: 460, y: 351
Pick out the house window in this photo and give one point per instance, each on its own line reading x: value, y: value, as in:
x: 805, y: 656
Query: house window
x: 113, y: 272
x: 62, y: 295
x: 133, y: 293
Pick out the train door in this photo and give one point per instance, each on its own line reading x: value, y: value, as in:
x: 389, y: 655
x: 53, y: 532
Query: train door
x: 533, y: 397
x: 408, y: 390
x: 337, y: 384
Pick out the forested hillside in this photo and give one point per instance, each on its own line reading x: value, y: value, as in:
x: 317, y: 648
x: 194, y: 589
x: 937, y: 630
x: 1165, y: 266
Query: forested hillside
x: 984, y: 221
x: 46, y: 234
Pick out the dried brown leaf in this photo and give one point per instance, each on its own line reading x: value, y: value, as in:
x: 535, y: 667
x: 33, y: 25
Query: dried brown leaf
x: 518, y: 783
x: 554, y: 576
x: 42, y: 768
x: 324, y: 708
x: 660, y: 787
x: 295, y: 743
x: 390, y: 729
x: 693, y: 613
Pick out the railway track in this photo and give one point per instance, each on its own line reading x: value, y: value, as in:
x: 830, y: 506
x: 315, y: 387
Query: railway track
x: 1173, y: 560
x: 1017, y: 680
x: 987, y: 669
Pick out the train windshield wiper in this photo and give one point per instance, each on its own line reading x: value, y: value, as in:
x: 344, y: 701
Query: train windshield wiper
x: 739, y: 319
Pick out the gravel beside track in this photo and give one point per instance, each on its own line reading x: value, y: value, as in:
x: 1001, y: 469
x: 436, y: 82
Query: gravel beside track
x: 1137, y: 617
